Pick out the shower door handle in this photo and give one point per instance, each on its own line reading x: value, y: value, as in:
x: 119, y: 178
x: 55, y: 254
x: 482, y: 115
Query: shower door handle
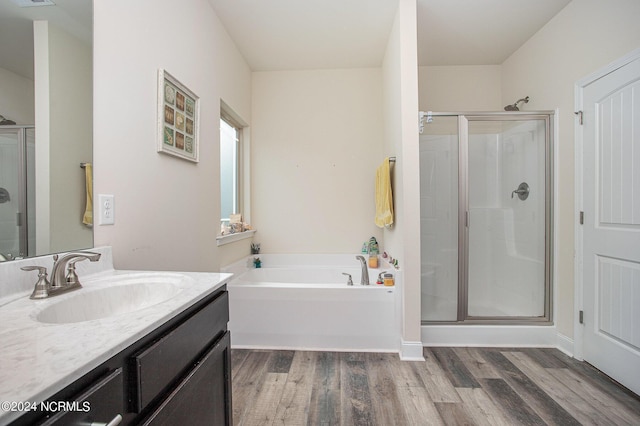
x: 522, y: 191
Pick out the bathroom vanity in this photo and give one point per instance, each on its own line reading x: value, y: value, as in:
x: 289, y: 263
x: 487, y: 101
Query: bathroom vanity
x: 150, y: 359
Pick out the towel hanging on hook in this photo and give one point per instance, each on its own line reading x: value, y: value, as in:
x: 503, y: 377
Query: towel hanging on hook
x: 87, y: 217
x: 384, y: 195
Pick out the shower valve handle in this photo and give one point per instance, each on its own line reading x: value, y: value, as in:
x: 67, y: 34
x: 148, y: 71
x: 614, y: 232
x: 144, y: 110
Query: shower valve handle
x: 522, y: 191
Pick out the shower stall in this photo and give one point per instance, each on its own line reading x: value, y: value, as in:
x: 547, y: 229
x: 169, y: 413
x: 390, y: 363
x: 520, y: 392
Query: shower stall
x: 486, y: 217
x: 17, y: 191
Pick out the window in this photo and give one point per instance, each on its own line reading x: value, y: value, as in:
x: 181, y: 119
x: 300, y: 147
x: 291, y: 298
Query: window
x: 229, y: 169
x: 234, y: 175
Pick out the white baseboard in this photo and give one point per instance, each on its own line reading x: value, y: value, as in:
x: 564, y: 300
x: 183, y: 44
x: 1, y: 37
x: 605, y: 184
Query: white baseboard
x: 411, y: 351
x: 490, y: 335
x: 313, y: 342
x: 565, y: 344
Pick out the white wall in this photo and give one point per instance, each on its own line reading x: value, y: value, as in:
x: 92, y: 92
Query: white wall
x: 70, y: 138
x: 316, y: 142
x: 585, y: 36
x: 167, y: 210
x: 16, y: 97
x: 400, y: 74
x: 460, y: 88
x: 42, y: 121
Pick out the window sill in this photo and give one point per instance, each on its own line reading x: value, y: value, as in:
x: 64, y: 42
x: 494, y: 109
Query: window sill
x: 231, y: 238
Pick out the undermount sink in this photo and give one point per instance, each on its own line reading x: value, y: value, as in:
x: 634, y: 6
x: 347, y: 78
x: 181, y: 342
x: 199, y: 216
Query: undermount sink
x: 123, y: 295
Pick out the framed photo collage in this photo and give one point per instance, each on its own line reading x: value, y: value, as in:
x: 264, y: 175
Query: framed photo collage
x: 178, y: 110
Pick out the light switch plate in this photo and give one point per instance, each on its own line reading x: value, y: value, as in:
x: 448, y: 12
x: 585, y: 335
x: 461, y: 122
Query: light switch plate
x: 106, y: 208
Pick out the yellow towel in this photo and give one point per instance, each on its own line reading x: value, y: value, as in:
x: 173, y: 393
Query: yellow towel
x: 87, y: 219
x: 384, y: 196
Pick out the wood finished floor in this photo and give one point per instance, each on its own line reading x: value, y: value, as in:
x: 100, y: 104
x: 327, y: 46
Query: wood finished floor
x: 454, y: 386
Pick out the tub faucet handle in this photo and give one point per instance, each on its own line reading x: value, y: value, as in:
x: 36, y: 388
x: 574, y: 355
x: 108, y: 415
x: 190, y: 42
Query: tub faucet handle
x: 349, y: 281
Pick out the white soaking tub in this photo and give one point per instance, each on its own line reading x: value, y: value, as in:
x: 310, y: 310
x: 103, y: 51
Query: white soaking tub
x: 304, y: 302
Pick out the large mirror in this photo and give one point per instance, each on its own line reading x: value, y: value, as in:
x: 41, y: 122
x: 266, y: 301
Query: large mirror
x: 46, y: 126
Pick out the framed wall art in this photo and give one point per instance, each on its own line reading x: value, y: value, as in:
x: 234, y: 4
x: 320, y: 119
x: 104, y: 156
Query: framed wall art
x: 178, y: 121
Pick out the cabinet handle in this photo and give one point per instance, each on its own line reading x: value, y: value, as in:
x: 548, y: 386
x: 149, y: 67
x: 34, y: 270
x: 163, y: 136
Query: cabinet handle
x: 114, y: 422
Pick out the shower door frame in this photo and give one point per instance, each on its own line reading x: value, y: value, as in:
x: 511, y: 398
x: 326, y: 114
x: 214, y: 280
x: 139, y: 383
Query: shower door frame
x: 463, y: 215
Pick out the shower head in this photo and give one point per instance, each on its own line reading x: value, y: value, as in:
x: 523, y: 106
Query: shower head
x: 4, y: 196
x: 514, y: 107
x: 5, y: 121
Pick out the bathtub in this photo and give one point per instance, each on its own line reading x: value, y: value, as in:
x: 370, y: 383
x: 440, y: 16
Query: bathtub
x: 303, y: 302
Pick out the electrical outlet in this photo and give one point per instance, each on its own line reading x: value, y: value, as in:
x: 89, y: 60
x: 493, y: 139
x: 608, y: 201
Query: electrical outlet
x: 106, y: 207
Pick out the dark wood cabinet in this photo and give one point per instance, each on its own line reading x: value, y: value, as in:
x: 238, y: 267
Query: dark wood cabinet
x: 180, y: 373
x: 203, y: 397
x: 101, y: 403
x: 156, y: 367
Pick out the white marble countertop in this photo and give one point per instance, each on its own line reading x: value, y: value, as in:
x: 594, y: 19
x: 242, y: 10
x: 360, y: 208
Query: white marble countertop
x: 38, y: 359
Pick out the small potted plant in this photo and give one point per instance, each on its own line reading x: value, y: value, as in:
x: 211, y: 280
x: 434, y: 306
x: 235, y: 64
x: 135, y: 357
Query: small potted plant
x: 257, y: 262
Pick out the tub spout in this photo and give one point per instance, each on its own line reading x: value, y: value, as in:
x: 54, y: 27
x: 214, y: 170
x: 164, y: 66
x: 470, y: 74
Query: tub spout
x: 364, y: 278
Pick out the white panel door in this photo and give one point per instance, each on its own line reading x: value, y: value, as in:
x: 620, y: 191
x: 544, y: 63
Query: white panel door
x: 611, y: 232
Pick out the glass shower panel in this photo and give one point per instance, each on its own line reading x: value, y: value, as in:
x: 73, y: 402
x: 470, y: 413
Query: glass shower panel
x: 506, y: 208
x: 439, y: 219
x: 10, y: 182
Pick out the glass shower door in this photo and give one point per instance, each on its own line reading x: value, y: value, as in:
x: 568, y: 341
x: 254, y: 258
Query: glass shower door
x: 507, y: 215
x: 16, y: 145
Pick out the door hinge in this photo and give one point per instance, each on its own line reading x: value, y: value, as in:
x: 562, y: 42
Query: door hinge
x: 580, y: 118
x: 581, y: 218
x: 18, y: 219
x: 581, y: 317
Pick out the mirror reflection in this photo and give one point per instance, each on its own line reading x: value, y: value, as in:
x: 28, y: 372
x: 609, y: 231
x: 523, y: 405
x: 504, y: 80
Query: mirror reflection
x: 46, y: 127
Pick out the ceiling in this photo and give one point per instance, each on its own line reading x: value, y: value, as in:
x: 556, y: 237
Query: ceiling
x: 478, y: 32
x: 312, y: 34
x: 16, y: 29
x: 294, y: 34
x: 308, y: 34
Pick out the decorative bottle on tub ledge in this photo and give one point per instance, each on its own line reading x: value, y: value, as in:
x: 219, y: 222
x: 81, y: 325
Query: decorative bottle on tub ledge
x: 374, y: 250
x: 388, y: 280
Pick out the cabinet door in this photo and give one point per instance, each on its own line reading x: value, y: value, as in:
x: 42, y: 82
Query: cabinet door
x: 204, y: 396
x: 157, y: 367
x: 100, y: 403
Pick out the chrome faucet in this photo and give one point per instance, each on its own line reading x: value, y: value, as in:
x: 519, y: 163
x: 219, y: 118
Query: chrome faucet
x: 63, y: 274
x: 69, y: 280
x: 364, y: 278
